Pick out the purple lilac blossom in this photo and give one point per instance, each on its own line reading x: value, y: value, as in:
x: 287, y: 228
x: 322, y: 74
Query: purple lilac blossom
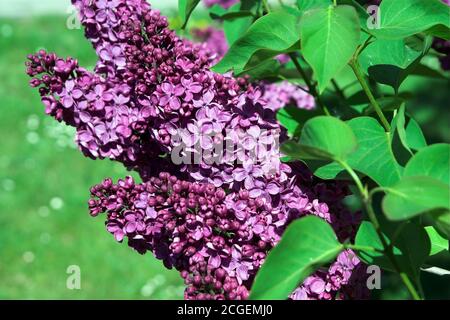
x: 341, y: 281
x: 217, y: 241
x: 223, y: 3
x: 147, y: 84
x: 214, y: 38
x: 279, y: 95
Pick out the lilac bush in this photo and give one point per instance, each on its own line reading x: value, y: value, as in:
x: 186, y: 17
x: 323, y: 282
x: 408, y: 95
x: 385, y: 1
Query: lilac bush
x: 213, y: 222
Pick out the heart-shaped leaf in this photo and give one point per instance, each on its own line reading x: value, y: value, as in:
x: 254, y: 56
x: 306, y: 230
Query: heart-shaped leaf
x: 294, y: 118
x: 404, y: 18
x: 186, y: 7
x: 291, y: 261
x: 438, y: 243
x: 329, y: 37
x: 441, y: 222
x: 409, y: 135
x: 398, y: 124
x: 414, y: 135
x: 389, y: 61
x: 323, y: 138
x: 304, y: 5
x: 432, y: 161
x: 373, y: 157
x: 236, y: 19
x: 412, y: 196
x: 410, y: 245
x: 270, y: 35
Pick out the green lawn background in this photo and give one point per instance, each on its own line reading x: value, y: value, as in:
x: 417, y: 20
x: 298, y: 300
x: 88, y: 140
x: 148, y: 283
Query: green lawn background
x: 44, y: 187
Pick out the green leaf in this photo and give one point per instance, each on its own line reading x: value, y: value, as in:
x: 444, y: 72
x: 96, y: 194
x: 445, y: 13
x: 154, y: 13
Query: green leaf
x: 216, y: 11
x: 405, y: 137
x: 265, y: 70
x: 269, y: 36
x: 326, y: 171
x: 432, y: 161
x: 412, y: 196
x: 367, y: 237
x: 438, y: 243
x: 441, y: 221
x: 290, y: 9
x: 414, y: 135
x: 235, y: 26
x: 361, y: 10
x: 323, y: 138
x: 294, y: 118
x: 373, y: 156
x: 304, y: 5
x: 414, y: 245
x: 399, y: 125
x: 358, y: 102
x: 306, y: 245
x: 403, y: 18
x: 329, y: 37
x: 426, y: 71
x: 230, y: 15
x: 186, y: 7
x: 410, y: 244
x: 389, y: 61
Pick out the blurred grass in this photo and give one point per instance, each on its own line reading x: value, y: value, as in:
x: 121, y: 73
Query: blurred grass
x: 44, y: 187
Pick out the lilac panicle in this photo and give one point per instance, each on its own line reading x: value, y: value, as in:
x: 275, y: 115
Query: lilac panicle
x: 214, y: 222
x: 217, y: 240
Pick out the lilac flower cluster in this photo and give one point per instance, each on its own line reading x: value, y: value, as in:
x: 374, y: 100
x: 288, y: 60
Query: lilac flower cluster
x: 214, y: 222
x: 216, y: 240
x: 341, y: 281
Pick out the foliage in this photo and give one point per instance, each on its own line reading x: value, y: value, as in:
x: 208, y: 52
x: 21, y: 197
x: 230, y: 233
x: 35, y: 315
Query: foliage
x: 371, y: 152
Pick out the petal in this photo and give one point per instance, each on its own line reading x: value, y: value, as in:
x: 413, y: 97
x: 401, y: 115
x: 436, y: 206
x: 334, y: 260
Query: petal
x: 174, y: 103
x: 214, y: 261
x: 105, y: 55
x: 239, y: 174
x: 151, y: 212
